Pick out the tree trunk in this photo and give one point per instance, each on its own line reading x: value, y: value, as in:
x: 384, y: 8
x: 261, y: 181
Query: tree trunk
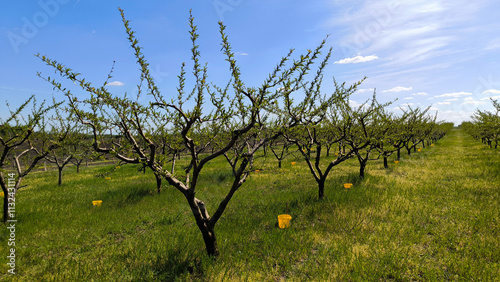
x: 158, y: 182
x: 385, y: 162
x: 321, y: 188
x: 203, y: 223
x: 279, y: 163
x: 173, y: 164
x: 5, y: 207
x: 362, y: 166
x: 409, y: 152
x: 399, y: 154
x: 78, y: 168
x: 210, y: 240
x: 60, y: 169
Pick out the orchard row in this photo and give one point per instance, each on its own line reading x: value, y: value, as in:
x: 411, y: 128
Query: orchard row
x: 206, y: 121
x: 485, y: 125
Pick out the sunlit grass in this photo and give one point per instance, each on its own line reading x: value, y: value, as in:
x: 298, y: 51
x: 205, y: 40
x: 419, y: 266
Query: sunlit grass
x: 433, y: 216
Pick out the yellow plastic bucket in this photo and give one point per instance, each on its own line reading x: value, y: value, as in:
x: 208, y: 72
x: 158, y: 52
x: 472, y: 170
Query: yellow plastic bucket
x: 294, y: 163
x: 97, y: 203
x: 347, y: 185
x: 420, y: 150
x: 284, y: 220
x: 396, y: 162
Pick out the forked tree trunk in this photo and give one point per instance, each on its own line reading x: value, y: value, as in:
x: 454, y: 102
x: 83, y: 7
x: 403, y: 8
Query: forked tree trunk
x: 202, y: 221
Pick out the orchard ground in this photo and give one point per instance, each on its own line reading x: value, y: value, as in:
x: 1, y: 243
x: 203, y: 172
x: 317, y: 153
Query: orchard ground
x: 433, y: 216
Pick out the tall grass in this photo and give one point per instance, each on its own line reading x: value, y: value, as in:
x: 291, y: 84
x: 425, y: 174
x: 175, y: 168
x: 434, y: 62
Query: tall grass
x: 434, y: 216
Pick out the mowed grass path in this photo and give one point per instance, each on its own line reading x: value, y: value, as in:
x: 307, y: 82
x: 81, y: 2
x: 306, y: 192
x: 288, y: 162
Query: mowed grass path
x: 435, y: 216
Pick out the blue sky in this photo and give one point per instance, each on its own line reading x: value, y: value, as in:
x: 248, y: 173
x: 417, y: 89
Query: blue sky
x: 442, y: 54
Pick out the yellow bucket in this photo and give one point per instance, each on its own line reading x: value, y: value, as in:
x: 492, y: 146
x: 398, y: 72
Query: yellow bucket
x: 97, y: 203
x: 347, y: 185
x: 284, y: 220
x: 420, y: 150
x: 396, y: 162
x: 294, y: 163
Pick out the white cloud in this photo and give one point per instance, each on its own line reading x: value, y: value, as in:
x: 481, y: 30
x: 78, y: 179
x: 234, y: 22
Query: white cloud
x: 433, y: 109
x: 472, y: 102
x: 454, y: 95
x: 241, y: 53
x: 491, y: 91
x: 365, y: 90
x: 443, y: 103
x: 451, y: 100
x: 494, y: 44
x: 408, y: 98
x: 420, y: 94
x: 407, y: 105
x: 116, y: 83
x: 354, y: 104
x: 398, y: 89
x: 410, y: 31
x: 357, y: 59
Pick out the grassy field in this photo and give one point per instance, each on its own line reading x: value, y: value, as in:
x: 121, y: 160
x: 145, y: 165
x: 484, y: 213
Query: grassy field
x: 434, y: 216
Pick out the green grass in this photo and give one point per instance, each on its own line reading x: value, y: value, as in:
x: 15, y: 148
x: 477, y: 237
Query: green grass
x: 434, y: 216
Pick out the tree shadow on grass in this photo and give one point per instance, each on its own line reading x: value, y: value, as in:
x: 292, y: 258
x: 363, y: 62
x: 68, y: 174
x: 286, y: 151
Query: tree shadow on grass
x: 176, y: 265
x: 128, y: 195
